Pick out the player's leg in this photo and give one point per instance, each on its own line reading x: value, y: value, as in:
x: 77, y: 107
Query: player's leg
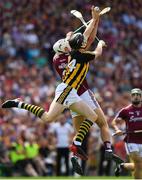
x: 128, y: 166
x: 104, y: 129
x: 54, y: 110
x: 90, y: 117
x: 137, y: 159
x: 124, y: 166
x: 105, y: 132
x: 101, y: 122
x: 82, y: 108
x: 90, y: 100
x: 78, y: 123
x: 77, y: 120
x: 103, y: 125
x: 135, y: 153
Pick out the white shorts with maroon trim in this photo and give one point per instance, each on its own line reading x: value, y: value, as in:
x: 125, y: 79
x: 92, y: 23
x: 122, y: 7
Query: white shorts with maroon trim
x: 66, y: 95
x: 89, y: 98
x: 133, y: 147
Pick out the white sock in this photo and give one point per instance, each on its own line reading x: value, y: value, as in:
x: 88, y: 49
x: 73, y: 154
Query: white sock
x: 19, y: 104
x: 77, y: 143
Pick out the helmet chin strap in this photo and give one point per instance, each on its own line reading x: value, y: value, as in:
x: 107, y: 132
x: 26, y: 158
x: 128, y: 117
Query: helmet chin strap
x: 136, y: 103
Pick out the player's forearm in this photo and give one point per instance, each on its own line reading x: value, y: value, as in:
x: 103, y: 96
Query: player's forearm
x: 95, y: 17
x: 114, y: 125
x: 89, y: 29
x: 98, y: 51
x: 92, y: 35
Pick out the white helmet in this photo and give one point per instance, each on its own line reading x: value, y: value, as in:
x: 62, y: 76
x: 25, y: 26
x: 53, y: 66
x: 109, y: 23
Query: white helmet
x: 60, y: 46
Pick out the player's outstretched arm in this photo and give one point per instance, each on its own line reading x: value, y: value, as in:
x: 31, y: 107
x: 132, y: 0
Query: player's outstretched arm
x: 99, y: 49
x: 95, y: 17
x: 92, y: 35
x: 114, y: 125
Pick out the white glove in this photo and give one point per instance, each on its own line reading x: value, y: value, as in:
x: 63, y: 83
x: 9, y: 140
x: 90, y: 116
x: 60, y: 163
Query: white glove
x: 102, y: 43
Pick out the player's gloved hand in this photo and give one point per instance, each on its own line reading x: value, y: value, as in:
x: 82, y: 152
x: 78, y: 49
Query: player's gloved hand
x: 108, y: 154
x: 95, y: 12
x: 118, y: 133
x: 102, y: 43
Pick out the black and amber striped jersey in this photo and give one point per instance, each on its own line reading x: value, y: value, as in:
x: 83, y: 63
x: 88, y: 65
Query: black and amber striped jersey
x: 77, y: 68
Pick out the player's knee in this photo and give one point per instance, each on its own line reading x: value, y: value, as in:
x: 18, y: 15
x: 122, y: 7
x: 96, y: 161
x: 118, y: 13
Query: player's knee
x: 47, y: 117
x: 101, y: 122
x: 93, y: 117
x: 44, y: 116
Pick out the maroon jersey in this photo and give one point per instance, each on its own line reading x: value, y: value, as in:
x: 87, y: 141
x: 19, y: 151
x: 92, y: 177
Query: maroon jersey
x: 60, y: 61
x: 133, y: 118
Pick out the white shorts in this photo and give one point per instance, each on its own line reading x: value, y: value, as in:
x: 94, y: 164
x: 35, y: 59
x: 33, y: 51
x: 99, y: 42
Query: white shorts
x: 89, y: 98
x: 66, y: 95
x: 133, y: 147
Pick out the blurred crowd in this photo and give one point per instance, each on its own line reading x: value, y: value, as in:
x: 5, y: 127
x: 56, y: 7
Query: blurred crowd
x: 28, y: 30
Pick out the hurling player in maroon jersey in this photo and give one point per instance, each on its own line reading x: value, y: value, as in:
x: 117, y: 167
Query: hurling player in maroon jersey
x: 132, y: 115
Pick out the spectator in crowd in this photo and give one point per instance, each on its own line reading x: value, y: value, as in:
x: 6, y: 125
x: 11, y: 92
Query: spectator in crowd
x: 64, y: 134
x: 19, y: 158
x: 6, y: 165
x: 47, y: 152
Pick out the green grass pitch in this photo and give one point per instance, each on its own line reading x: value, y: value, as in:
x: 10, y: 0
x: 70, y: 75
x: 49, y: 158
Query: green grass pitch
x: 69, y: 178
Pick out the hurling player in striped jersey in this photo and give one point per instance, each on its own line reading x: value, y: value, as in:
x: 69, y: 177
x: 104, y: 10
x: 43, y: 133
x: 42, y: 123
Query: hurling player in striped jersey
x: 60, y: 61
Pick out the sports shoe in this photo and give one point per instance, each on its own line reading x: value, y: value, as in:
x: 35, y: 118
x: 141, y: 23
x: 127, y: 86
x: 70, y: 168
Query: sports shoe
x: 118, y: 170
x: 11, y: 103
x: 78, y: 151
x: 76, y: 166
x: 117, y: 159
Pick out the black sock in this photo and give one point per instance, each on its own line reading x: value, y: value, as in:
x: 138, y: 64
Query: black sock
x: 107, y: 145
x: 83, y: 130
